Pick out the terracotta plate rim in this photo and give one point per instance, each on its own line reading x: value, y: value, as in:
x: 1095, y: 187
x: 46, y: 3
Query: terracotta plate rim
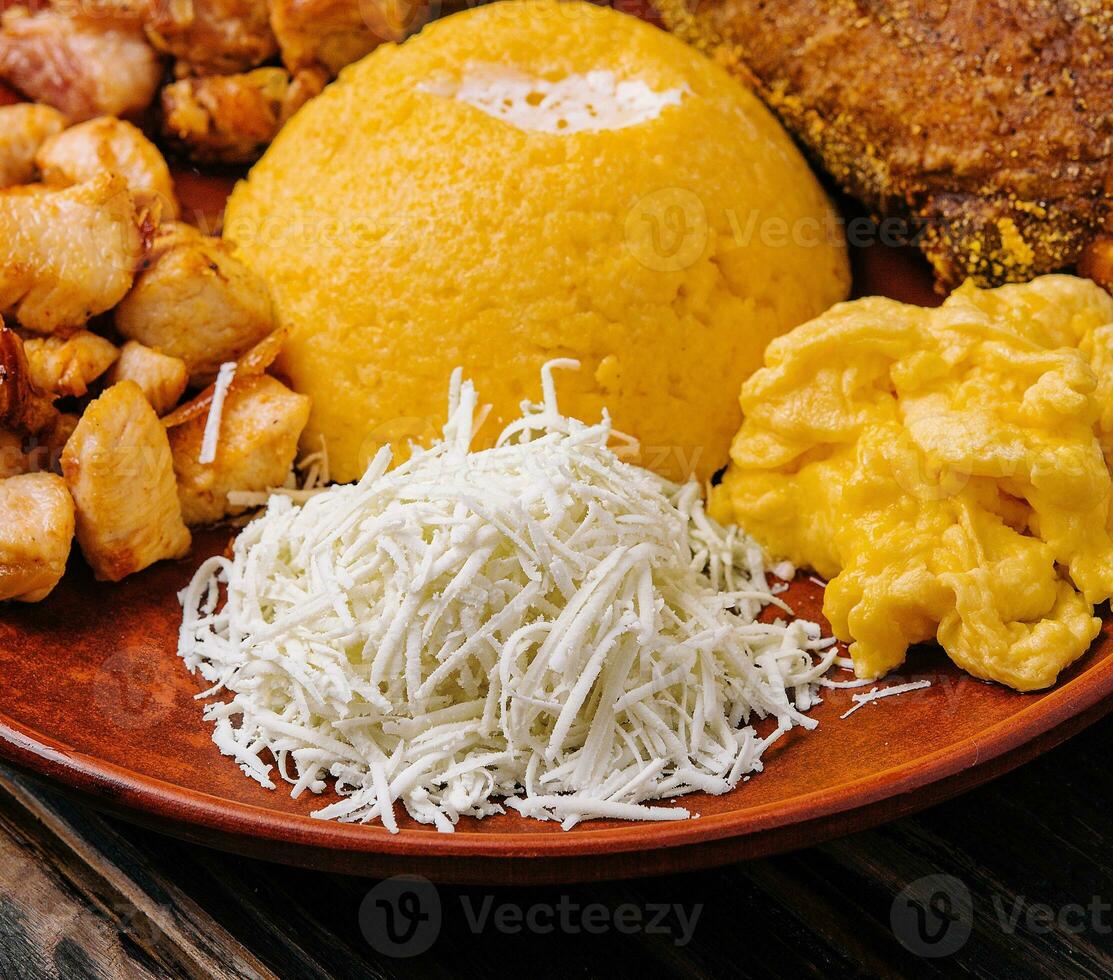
x: 116, y: 785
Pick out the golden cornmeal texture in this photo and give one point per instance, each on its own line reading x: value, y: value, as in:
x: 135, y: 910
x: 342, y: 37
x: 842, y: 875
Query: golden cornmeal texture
x: 947, y: 469
x: 405, y: 232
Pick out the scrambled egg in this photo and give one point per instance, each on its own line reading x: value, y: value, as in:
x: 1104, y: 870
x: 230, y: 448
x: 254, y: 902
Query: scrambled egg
x: 525, y: 181
x: 947, y: 469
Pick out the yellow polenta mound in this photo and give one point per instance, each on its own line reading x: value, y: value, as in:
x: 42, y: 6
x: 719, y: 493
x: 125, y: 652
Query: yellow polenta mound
x: 525, y: 181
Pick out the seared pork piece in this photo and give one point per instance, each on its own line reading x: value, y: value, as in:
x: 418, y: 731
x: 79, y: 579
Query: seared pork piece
x: 35, y: 535
x: 110, y: 145
x: 163, y: 378
x: 23, y: 129
x: 260, y: 425
x: 68, y: 254
x: 24, y: 409
x: 118, y: 467
x: 330, y: 34
x: 65, y: 366
x: 196, y: 301
x: 986, y: 123
x: 233, y: 118
x: 211, y: 37
x: 86, y: 67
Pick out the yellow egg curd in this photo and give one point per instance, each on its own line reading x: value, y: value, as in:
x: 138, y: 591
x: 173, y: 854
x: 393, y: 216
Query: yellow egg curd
x: 947, y: 469
x: 525, y: 181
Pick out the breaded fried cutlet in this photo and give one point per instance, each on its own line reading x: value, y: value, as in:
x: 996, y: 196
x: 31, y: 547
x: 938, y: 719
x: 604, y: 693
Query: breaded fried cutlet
x: 987, y: 123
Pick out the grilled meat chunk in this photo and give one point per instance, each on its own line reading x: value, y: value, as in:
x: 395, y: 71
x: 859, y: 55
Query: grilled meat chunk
x: 69, y: 254
x: 24, y: 127
x: 260, y: 425
x: 330, y: 34
x: 211, y: 37
x: 163, y: 378
x: 196, y: 301
x: 65, y: 366
x: 233, y: 118
x: 35, y: 535
x: 118, y: 467
x: 91, y: 66
x: 115, y: 146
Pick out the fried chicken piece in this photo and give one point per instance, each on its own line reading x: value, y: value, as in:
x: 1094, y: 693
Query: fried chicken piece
x: 987, y: 123
x: 233, y: 118
x: 163, y: 378
x: 260, y: 425
x: 66, y: 366
x: 196, y: 301
x: 35, y: 535
x: 68, y: 254
x: 86, y: 67
x: 24, y: 409
x: 24, y: 127
x: 330, y: 34
x: 211, y: 37
x: 119, y: 469
x: 111, y: 145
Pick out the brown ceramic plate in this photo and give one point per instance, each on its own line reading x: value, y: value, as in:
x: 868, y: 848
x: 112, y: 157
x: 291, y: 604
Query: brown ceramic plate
x: 94, y: 699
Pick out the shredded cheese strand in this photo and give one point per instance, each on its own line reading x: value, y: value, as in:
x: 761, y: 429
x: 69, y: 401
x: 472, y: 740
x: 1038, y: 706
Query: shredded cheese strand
x: 539, y: 623
x: 211, y: 438
x: 876, y: 694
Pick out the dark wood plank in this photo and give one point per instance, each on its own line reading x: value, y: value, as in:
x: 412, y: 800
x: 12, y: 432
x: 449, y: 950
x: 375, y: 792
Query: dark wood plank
x: 82, y: 895
x: 85, y: 902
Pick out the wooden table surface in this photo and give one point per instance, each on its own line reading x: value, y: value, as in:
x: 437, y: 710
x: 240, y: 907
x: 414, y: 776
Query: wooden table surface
x: 1027, y: 892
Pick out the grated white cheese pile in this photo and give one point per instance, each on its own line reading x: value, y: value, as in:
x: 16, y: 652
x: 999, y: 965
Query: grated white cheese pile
x: 540, y: 623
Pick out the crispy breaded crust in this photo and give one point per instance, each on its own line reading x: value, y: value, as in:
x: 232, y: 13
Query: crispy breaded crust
x: 988, y: 122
